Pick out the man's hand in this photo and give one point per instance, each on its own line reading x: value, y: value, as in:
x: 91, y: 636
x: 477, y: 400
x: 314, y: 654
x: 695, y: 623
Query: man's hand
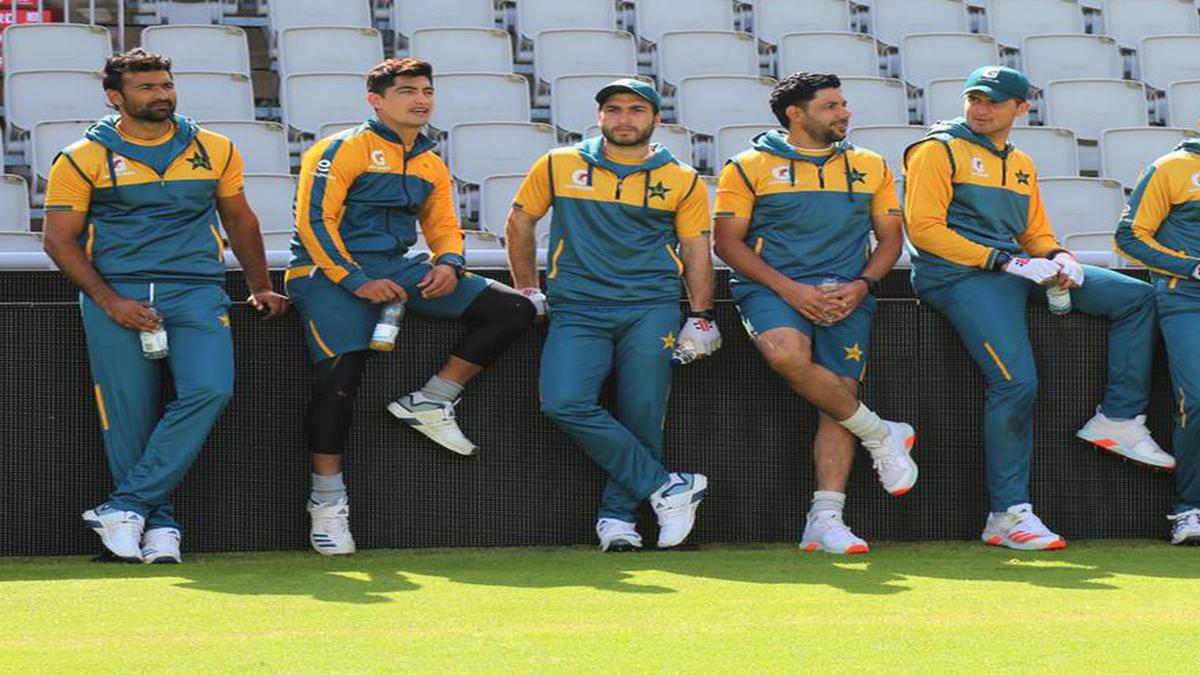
x: 1037, y: 270
x: 131, y: 314
x: 268, y: 303
x: 1071, y: 274
x: 806, y: 299
x: 701, y: 334
x: 845, y: 299
x: 381, y: 290
x: 438, y: 282
x: 537, y: 297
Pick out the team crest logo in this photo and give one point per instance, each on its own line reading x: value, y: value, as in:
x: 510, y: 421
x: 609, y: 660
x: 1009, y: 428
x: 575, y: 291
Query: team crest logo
x: 579, y: 180
x: 977, y: 166
x: 199, y: 161
x: 991, y: 73
x: 378, y: 158
x: 1196, y: 179
x: 782, y: 174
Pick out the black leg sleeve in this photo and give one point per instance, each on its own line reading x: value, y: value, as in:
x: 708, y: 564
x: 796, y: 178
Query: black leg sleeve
x: 497, y: 318
x: 335, y: 382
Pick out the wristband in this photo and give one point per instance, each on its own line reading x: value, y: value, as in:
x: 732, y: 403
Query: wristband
x: 706, y: 314
x: 1002, y: 258
x: 872, y: 284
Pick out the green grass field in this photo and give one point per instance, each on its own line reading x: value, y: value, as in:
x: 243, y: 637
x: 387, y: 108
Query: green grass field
x: 1097, y: 606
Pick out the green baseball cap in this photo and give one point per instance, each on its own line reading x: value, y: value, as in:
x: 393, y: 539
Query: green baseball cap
x: 999, y: 83
x: 630, y: 86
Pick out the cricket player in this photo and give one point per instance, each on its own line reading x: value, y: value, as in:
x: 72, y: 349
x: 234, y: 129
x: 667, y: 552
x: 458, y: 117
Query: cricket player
x: 1160, y: 230
x: 795, y: 209
x: 360, y: 198
x: 131, y: 219
x: 629, y: 222
x: 982, y: 245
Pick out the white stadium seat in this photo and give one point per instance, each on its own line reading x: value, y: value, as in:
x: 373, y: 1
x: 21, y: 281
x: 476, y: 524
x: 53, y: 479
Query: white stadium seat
x: 943, y: 99
x: 20, y: 242
x: 535, y: 16
x: 1089, y: 106
x: 284, y: 14
x: 655, y: 17
x: 37, y: 95
x: 583, y: 52
x: 847, y: 54
x: 890, y: 141
x: 1054, y: 150
x: 263, y: 145
x: 1010, y: 21
x: 188, y: 11
x: 932, y: 56
x: 472, y: 50
x: 479, y: 97
x: 1183, y: 102
x: 1125, y: 152
x: 1066, y: 57
x: 876, y: 100
x: 706, y: 52
x: 676, y: 139
x: 277, y: 240
x: 775, y: 18
x: 705, y: 104
x: 710, y: 186
x: 319, y: 49
x: 1169, y: 58
x: 14, y: 206
x: 47, y: 139
x: 482, y: 149
x: 330, y: 128
x: 410, y: 15
x: 891, y: 20
x: 57, y: 46
x: 1077, y: 206
x: 214, y: 96
x: 734, y: 138
x: 573, y: 100
x: 272, y: 196
x: 495, y: 199
x: 212, y: 49
x: 1131, y: 20
x: 312, y: 99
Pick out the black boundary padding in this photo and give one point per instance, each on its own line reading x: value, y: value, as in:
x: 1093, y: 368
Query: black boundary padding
x: 730, y: 417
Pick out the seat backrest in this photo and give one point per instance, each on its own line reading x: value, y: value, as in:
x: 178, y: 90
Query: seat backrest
x: 479, y: 150
x: 55, y: 46
x: 330, y: 128
x: 272, y: 197
x: 876, y: 100
x: 686, y: 53
x: 1089, y: 106
x: 313, y: 99
x: 890, y: 141
x: 572, y: 102
x: 1183, y: 103
x: 1125, y: 152
x: 1131, y: 20
x: 734, y: 138
x: 476, y: 50
x: 891, y: 20
x: 213, y: 49
x: 47, y: 139
x: 411, y: 15
x: 931, y: 56
x: 214, y: 96
x: 847, y: 54
x: 707, y: 103
x: 583, y: 52
x: 1010, y: 21
x: 943, y: 99
x: 319, y: 49
x: 284, y: 14
x: 480, y: 97
x: 1082, y: 204
x: 495, y: 199
x: 14, y: 203
x: 33, y: 96
x: 1055, y: 150
x: 1169, y: 58
x: 655, y: 17
x: 535, y: 16
x: 1063, y: 57
x: 263, y: 145
x: 775, y: 18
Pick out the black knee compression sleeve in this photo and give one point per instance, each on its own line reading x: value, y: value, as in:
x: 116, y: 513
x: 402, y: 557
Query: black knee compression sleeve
x: 497, y: 318
x: 335, y: 383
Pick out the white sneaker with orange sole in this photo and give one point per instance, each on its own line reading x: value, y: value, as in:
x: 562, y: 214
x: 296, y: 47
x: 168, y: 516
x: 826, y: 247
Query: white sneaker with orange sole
x: 1020, y: 529
x: 825, y: 531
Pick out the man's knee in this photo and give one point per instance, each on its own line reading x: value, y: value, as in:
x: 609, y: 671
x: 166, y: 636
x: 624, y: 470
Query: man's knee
x: 785, y: 350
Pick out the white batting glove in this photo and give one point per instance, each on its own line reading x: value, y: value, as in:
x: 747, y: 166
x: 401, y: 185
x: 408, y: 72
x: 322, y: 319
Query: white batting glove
x: 1037, y: 270
x: 538, y: 298
x: 699, y: 337
x: 1071, y: 268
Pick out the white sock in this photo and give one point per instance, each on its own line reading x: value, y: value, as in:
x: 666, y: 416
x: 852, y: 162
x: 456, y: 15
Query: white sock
x: 865, y: 424
x: 327, y: 489
x: 827, y: 500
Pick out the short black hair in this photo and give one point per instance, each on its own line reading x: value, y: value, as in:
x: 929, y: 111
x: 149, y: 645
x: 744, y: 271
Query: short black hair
x: 383, y: 75
x: 798, y: 89
x: 136, y: 60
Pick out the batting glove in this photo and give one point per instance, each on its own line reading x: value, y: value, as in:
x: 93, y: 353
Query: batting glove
x: 1037, y: 270
x: 1071, y: 268
x: 538, y: 298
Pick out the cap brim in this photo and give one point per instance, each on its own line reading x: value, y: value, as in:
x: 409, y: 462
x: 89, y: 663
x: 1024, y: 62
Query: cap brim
x: 994, y: 94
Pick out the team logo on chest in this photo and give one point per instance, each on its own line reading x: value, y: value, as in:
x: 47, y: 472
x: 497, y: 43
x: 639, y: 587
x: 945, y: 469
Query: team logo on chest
x: 379, y: 161
x: 658, y: 190
x: 120, y: 166
x: 977, y: 167
x: 579, y: 180
x: 1196, y: 180
x: 199, y: 160
x: 781, y: 174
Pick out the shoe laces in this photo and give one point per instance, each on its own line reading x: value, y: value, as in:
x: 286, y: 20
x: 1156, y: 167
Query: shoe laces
x: 886, y: 462
x: 1028, y: 521
x: 339, y: 524
x: 1187, y: 520
x: 831, y: 522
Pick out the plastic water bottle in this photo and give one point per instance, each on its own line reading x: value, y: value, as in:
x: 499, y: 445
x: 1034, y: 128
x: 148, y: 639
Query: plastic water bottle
x: 827, y: 285
x: 154, y: 342
x: 1059, y: 300
x: 383, y: 339
x: 684, y: 353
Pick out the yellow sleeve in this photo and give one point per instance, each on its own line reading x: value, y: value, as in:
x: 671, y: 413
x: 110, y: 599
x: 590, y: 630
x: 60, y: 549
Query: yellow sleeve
x: 326, y: 174
x: 885, y: 202
x: 1038, y: 238
x: 1149, y: 205
x: 230, y: 182
x: 692, y: 218
x: 438, y: 218
x: 67, y: 189
x: 535, y: 195
x: 735, y: 197
x: 928, y: 190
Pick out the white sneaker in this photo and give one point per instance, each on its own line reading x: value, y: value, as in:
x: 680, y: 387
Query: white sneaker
x: 160, y: 545
x: 120, y: 531
x: 1187, y: 527
x: 1129, y: 439
x: 825, y: 531
x: 617, y: 536
x: 676, y: 502
x: 1019, y: 528
x: 330, y: 534
x: 435, y: 419
x: 893, y: 463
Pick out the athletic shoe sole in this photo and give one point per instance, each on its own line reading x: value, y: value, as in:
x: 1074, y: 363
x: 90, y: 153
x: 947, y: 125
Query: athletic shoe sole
x: 1110, y: 447
x: 401, y: 413
x: 89, y: 519
x: 813, y: 546
x: 910, y: 442
x: 997, y: 540
x: 621, y: 546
